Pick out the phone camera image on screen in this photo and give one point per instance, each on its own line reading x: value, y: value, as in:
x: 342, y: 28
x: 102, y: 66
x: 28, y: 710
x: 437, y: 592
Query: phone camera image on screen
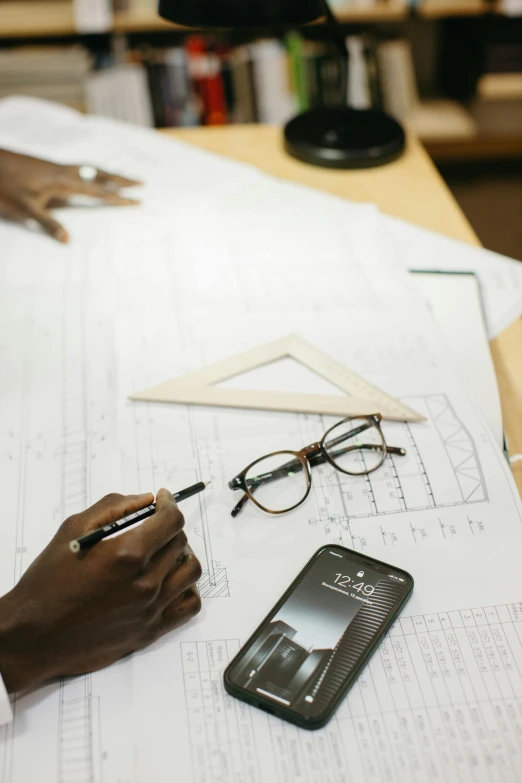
x: 302, y: 656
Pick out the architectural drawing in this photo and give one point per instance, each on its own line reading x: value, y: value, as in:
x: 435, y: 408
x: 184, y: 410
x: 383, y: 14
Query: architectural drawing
x: 75, y: 716
x: 221, y: 730
x: 441, y: 469
x: 170, y: 452
x: 55, y: 453
x: 439, y: 699
x: 75, y: 732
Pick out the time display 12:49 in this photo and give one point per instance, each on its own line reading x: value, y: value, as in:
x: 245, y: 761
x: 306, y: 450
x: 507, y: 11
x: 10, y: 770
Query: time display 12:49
x: 344, y: 581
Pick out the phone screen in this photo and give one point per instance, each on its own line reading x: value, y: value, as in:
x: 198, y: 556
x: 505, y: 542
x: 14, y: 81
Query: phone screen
x: 304, y: 654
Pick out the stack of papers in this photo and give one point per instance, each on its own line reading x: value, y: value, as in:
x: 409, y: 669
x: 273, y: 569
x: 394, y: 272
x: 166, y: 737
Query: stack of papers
x: 220, y: 258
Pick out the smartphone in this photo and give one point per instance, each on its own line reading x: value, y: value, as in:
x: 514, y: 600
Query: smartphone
x: 310, y: 649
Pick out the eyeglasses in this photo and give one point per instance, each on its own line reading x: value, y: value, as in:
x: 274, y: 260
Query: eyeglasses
x: 282, y: 480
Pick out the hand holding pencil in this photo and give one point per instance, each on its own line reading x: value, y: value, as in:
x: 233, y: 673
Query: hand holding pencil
x: 70, y: 615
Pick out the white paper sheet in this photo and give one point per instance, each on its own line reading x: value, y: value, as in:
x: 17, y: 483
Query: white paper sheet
x: 57, y: 456
x: 457, y: 305
x: 157, y: 291
x: 443, y: 693
x: 181, y: 178
x: 500, y: 277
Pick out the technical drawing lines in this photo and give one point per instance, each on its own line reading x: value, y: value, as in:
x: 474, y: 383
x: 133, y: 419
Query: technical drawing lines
x: 441, y: 468
x: 75, y: 738
x: 6, y: 751
x: 222, y: 740
x: 75, y: 756
x: 214, y: 580
x: 74, y: 428
x: 171, y: 453
x: 422, y: 469
x: 214, y: 583
x: 460, y: 448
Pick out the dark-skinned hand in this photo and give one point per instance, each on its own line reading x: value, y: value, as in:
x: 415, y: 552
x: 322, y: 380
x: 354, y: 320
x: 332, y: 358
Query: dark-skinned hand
x: 71, y: 614
x: 30, y: 187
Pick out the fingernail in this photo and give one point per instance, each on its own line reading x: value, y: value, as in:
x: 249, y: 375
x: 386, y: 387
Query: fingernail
x: 62, y: 235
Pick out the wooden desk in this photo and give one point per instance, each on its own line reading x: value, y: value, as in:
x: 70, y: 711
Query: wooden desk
x: 410, y: 188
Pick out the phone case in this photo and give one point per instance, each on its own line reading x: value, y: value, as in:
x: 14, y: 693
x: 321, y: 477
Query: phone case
x: 305, y: 722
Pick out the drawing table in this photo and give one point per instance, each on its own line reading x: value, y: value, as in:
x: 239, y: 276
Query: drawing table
x: 410, y: 188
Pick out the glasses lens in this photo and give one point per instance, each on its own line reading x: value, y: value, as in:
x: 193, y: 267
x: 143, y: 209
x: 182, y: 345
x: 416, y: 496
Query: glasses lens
x: 355, y: 446
x: 278, y: 482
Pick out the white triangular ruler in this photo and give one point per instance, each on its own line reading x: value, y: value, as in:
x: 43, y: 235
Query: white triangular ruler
x: 198, y: 387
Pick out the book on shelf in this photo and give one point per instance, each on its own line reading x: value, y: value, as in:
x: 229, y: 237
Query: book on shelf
x: 497, y: 104
x: 56, y: 73
x: 120, y: 92
x: 202, y: 81
x: 429, y: 119
x: 511, y: 7
x: 92, y: 16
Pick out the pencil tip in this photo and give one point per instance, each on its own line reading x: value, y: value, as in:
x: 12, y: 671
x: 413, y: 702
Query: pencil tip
x: 206, y: 483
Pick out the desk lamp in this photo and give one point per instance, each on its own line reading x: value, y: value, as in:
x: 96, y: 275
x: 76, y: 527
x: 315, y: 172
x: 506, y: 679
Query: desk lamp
x: 334, y: 137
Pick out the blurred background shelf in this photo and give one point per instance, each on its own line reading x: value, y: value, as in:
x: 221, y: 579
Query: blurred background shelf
x: 390, y: 11
x: 438, y: 9
x: 480, y: 148
x: 54, y: 18
x: 36, y: 19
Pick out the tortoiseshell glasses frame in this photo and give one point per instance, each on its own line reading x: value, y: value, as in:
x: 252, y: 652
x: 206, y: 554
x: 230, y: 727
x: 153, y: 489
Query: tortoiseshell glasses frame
x: 325, y: 450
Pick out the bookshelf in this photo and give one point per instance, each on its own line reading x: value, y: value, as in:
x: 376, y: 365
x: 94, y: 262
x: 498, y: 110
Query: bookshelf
x: 36, y: 19
x: 479, y: 148
x: 439, y: 9
x: 54, y: 18
x: 48, y: 19
x: 390, y: 11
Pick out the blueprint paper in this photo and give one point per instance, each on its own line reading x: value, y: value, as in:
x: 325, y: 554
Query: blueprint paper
x: 64, y: 411
x: 500, y: 277
x: 457, y: 305
x: 152, y: 293
x: 179, y: 176
x: 56, y: 458
x: 443, y: 693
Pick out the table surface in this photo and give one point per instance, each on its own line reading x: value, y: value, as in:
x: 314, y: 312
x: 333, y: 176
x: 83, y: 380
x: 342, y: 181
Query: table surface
x: 410, y: 188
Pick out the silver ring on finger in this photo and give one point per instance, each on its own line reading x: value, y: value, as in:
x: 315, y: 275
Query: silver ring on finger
x: 88, y: 173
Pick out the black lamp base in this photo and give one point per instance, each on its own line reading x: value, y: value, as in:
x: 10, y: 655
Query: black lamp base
x: 342, y: 138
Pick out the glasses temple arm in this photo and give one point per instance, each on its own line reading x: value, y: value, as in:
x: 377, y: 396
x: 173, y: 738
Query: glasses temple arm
x: 319, y: 459
x: 237, y: 508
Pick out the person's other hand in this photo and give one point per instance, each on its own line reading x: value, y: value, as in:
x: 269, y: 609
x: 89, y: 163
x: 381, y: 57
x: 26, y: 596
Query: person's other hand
x: 71, y: 614
x: 30, y: 187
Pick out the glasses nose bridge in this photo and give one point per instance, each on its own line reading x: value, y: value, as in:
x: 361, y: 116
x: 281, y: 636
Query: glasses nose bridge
x: 311, y: 451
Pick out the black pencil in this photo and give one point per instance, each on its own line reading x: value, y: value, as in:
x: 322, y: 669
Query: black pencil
x: 88, y: 540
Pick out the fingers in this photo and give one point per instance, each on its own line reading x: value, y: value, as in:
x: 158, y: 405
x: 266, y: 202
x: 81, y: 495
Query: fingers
x: 161, y: 583
x: 168, y: 559
x: 180, y: 611
x: 95, y: 190
x: 185, y: 574
x: 140, y: 544
x: 48, y: 223
x: 109, y: 509
x: 116, y: 180
x: 105, y: 178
